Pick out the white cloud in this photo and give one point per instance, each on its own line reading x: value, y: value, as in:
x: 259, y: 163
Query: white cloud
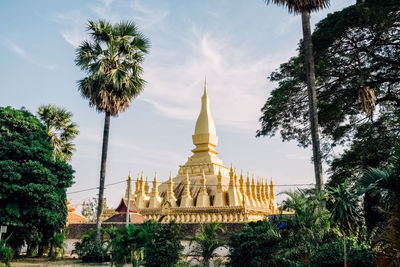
x: 17, y: 49
x: 147, y: 17
x: 75, y: 23
x: 236, y: 80
x: 14, y: 48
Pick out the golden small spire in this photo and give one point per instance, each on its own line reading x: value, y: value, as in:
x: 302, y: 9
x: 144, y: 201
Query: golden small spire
x: 254, y: 192
x: 186, y: 190
x: 146, y: 186
x: 219, y: 183
x: 186, y: 199
x: 155, y: 199
x: 155, y: 185
x: 219, y: 195
x: 203, y: 187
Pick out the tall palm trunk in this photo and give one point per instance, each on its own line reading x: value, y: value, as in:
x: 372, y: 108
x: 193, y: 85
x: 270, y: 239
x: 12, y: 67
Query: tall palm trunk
x: 312, y: 98
x: 102, y: 177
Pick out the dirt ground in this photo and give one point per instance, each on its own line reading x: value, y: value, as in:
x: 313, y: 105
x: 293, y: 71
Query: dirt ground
x: 25, y: 262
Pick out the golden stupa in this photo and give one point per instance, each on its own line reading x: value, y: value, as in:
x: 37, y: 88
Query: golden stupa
x: 205, y: 190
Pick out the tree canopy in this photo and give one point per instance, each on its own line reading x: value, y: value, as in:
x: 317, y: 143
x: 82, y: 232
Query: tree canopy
x: 60, y: 129
x: 32, y: 185
x: 357, y: 53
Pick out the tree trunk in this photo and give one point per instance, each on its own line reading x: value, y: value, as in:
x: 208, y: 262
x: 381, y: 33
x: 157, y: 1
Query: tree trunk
x: 312, y: 98
x: 345, y: 251
x: 102, y: 178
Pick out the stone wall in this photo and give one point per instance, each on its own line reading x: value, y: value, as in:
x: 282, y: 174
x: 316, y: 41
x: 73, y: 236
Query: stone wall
x: 76, y: 230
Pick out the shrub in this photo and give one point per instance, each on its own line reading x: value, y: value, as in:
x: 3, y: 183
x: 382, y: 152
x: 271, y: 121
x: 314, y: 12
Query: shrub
x: 254, y: 245
x: 6, y: 253
x: 164, y: 248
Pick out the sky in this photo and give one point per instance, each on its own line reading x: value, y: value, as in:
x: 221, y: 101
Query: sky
x: 235, y: 44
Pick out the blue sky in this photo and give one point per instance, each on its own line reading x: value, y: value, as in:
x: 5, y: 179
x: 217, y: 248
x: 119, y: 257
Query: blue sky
x: 236, y: 44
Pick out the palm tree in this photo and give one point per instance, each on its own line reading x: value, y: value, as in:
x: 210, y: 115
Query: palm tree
x: 385, y: 183
x: 308, y: 226
x: 61, y: 130
x: 208, y: 241
x: 112, y: 60
x: 345, y: 210
x: 305, y: 7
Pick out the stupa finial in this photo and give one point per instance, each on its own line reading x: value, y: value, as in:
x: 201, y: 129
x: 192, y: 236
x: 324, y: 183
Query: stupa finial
x: 205, y: 86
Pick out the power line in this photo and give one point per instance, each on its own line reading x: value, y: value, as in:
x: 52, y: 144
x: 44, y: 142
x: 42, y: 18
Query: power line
x: 135, y: 180
x: 93, y: 188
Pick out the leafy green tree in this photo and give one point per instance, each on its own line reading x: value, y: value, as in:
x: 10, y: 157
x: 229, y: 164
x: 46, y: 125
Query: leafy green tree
x: 305, y: 7
x: 345, y: 210
x: 255, y: 245
x: 306, y: 229
x: 207, y: 242
x: 356, y: 50
x: 385, y: 184
x: 32, y: 185
x: 164, y: 248
x: 6, y: 253
x: 60, y: 129
x: 112, y: 60
x: 128, y: 245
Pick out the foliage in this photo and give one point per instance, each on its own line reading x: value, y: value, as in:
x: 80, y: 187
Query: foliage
x: 330, y: 254
x: 60, y: 129
x: 6, y: 253
x: 32, y: 185
x: 345, y: 207
x: 112, y: 60
x: 128, y: 244
x: 255, y: 245
x: 57, y: 246
x: 87, y: 246
x: 306, y: 238
x: 89, y: 208
x: 388, y: 240
x: 308, y: 227
x: 164, y: 248
x: 385, y: 183
x: 207, y: 242
x: 354, y: 48
x: 298, y: 6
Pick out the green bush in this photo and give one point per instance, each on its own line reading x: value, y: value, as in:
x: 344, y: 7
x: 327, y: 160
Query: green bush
x: 254, y: 245
x: 6, y: 253
x: 127, y: 245
x: 87, y: 245
x: 164, y: 248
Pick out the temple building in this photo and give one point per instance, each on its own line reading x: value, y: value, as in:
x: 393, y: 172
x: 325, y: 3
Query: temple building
x: 205, y: 190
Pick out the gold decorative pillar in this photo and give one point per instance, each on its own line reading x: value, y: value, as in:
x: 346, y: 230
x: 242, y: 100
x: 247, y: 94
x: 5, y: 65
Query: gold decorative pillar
x: 155, y: 199
x: 272, y: 201
x: 219, y: 199
x: 245, y: 199
x: 232, y: 194
x: 254, y: 193
x: 203, y: 200
x: 142, y: 199
x: 170, y: 193
x: 186, y: 199
x: 248, y: 191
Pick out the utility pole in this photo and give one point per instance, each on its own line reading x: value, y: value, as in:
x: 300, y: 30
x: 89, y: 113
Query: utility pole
x: 129, y: 199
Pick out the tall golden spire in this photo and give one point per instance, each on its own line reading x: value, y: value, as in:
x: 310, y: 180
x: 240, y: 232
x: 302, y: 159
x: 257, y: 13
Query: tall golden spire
x: 205, y: 139
x: 205, y: 122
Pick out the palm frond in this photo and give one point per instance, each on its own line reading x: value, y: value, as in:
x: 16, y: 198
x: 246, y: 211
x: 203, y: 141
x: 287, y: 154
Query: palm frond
x: 298, y: 6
